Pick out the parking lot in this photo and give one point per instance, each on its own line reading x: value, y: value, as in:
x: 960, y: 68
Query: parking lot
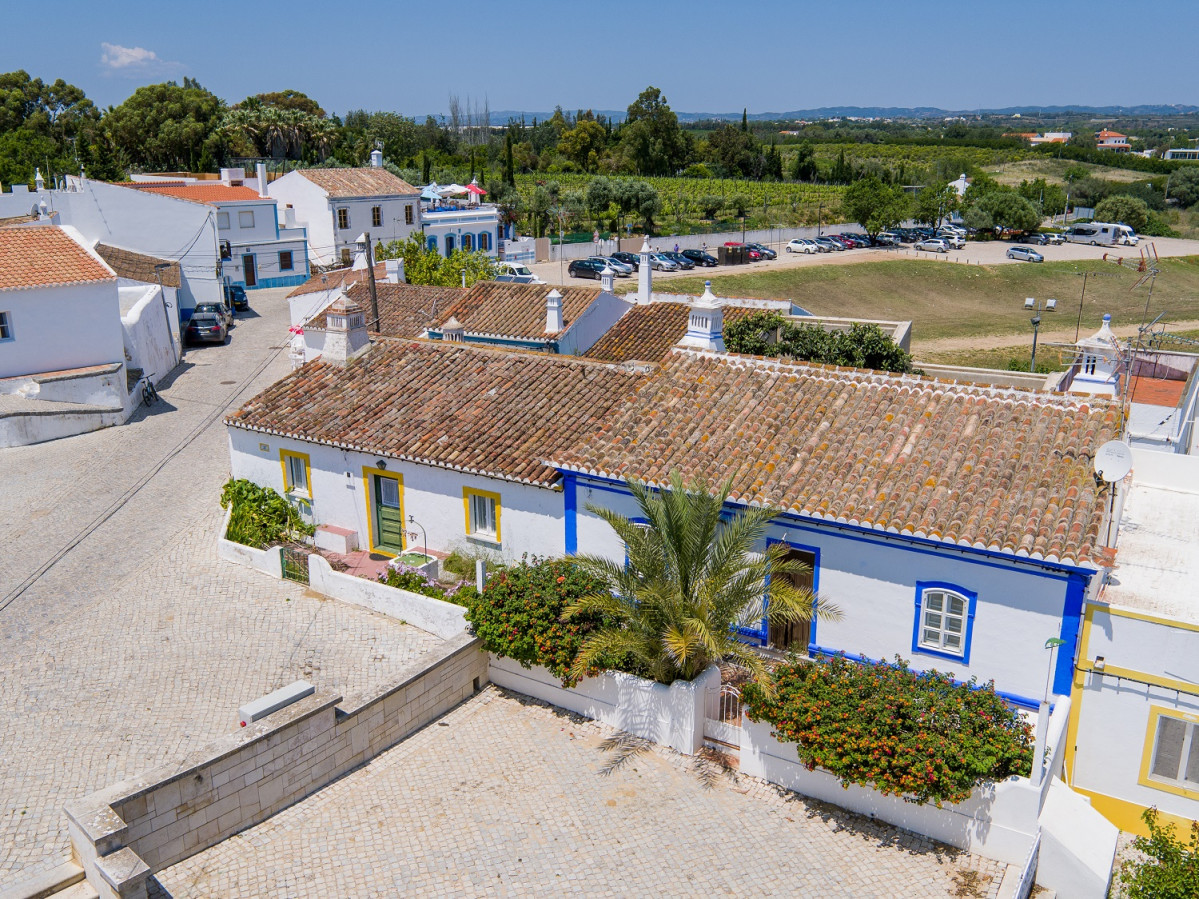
x: 993, y: 252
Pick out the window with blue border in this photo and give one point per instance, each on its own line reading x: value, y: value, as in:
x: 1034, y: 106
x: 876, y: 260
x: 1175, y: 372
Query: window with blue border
x: 944, y: 622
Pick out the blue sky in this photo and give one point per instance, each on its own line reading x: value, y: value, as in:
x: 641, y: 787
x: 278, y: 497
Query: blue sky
x: 705, y: 56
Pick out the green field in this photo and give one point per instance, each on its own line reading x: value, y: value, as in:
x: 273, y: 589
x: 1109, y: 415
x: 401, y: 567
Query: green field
x: 949, y: 304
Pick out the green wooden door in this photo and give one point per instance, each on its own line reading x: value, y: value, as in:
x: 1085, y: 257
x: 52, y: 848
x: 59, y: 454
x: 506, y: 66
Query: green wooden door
x: 389, y: 517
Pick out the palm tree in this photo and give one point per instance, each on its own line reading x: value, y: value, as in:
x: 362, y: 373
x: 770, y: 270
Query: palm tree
x: 691, y: 577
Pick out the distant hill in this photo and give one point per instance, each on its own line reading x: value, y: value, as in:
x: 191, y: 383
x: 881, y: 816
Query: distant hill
x: 878, y: 112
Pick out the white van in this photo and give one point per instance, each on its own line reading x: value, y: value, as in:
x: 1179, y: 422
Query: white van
x: 1102, y: 234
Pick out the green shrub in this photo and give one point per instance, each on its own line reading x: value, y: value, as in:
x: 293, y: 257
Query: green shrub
x: 920, y: 736
x: 1170, y: 869
x: 260, y: 516
x: 519, y: 614
x: 768, y: 333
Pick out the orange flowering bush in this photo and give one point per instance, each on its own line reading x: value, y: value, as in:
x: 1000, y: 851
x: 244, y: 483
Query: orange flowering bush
x: 918, y: 735
x: 519, y: 614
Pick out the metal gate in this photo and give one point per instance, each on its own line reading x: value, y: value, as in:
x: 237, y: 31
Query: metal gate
x: 722, y: 718
x: 295, y: 564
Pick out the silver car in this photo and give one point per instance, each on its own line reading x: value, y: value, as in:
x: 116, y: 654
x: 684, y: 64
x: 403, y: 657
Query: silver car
x: 661, y: 263
x: 622, y: 269
x: 932, y: 245
x: 1027, y: 254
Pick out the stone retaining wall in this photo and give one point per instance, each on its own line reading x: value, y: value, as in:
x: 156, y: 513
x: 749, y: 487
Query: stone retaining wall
x: 122, y: 834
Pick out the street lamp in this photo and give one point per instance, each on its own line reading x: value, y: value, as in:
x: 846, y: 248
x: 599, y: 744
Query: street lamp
x: 1036, y: 308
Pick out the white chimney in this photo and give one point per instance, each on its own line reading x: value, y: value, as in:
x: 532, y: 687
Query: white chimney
x: 608, y: 280
x: 453, y: 331
x: 345, y: 332
x: 645, y: 275
x: 39, y: 183
x: 289, y: 216
x: 395, y: 271
x: 376, y: 159
x: 262, y: 182
x: 705, y: 323
x: 553, y: 312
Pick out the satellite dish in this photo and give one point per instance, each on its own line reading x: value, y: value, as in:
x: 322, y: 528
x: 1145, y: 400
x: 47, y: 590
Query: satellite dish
x: 1113, y: 461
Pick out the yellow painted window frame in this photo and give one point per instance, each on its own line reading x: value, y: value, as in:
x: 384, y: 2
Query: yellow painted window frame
x: 287, y: 485
x: 1146, y: 780
x: 467, y: 493
x: 368, y: 474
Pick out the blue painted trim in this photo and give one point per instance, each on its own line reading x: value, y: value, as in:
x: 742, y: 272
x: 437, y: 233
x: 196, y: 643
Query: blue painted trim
x: 287, y: 281
x: 536, y: 345
x: 1011, y: 698
x: 1063, y: 674
x: 971, y: 598
x: 570, y: 504
x: 916, y: 544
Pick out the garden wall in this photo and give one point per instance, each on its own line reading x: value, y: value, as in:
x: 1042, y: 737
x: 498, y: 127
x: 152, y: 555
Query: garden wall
x: 122, y: 834
x: 672, y: 716
x: 269, y: 560
x: 444, y: 619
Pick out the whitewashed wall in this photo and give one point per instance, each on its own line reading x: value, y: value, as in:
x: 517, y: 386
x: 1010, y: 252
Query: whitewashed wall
x: 361, y: 220
x: 312, y: 211
x: 874, y: 585
x: 56, y: 328
x: 150, y: 333
x: 530, y: 517
x: 593, y: 324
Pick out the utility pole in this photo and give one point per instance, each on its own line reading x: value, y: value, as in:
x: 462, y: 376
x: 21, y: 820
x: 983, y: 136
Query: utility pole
x: 370, y: 271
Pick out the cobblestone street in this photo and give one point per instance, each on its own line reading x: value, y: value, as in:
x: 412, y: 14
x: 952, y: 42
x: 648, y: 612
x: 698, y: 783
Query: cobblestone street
x: 508, y: 797
x: 137, y: 644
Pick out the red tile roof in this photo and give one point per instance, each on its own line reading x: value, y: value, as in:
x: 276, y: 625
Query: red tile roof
x: 486, y: 411
x: 647, y: 333
x: 364, y: 182
x: 139, y: 266
x: 998, y: 469
x: 1157, y: 391
x: 404, y: 309
x: 505, y: 309
x: 338, y: 278
x: 209, y: 194
x: 45, y: 256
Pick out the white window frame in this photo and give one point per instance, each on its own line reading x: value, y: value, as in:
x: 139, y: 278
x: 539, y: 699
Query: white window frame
x: 222, y: 221
x: 483, y: 515
x: 940, y: 623
x: 245, y: 218
x: 296, y: 467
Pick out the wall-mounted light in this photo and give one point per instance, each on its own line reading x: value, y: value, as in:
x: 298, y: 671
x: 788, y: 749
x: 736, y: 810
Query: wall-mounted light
x: 1100, y: 663
x: 381, y: 464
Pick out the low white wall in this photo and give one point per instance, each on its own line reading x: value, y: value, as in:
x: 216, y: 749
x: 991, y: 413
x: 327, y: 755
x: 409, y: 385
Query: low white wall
x: 1078, y: 846
x: 1156, y: 468
x: 443, y: 619
x: 46, y: 421
x: 998, y: 821
x: 269, y: 561
x: 149, y: 337
x: 672, y: 716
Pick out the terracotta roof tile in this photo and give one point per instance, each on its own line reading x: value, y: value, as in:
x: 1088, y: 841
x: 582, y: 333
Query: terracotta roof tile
x: 506, y: 309
x: 1157, y: 391
x: 492, y: 412
x: 999, y: 469
x: 45, y: 256
x: 208, y: 194
x: 363, y: 182
x: 647, y: 333
x: 138, y: 266
x: 403, y: 308
x: 338, y: 278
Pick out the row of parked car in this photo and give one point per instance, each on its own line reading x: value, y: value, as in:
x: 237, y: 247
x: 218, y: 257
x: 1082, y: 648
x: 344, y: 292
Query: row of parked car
x: 210, y: 322
x: 625, y: 264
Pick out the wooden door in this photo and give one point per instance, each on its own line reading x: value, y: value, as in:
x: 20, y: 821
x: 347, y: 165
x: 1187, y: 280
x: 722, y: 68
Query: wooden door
x: 389, y: 516
x: 796, y: 635
x: 251, y: 271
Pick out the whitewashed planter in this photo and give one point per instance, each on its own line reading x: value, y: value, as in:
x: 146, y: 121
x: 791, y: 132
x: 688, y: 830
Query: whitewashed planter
x: 444, y: 619
x: 269, y: 561
x: 428, y: 568
x: 672, y: 716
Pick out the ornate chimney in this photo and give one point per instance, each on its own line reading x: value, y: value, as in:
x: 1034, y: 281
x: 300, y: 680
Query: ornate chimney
x: 553, y: 312
x: 453, y: 331
x: 608, y: 280
x: 645, y: 275
x: 705, y: 323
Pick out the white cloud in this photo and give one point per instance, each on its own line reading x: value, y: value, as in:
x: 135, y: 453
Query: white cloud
x: 117, y: 58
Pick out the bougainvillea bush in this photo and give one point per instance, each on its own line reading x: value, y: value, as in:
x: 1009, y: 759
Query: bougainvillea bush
x: 918, y: 735
x: 519, y: 615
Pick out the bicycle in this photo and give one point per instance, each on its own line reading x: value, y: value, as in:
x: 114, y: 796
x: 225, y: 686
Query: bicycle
x: 149, y: 394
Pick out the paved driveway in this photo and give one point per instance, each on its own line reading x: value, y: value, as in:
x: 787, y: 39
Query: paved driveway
x: 508, y: 797
x: 124, y: 642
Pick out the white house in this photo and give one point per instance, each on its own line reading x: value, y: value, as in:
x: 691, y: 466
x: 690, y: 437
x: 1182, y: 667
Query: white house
x: 62, y: 346
x: 1134, y: 725
x: 256, y: 250
x: 336, y: 206
x: 1112, y: 140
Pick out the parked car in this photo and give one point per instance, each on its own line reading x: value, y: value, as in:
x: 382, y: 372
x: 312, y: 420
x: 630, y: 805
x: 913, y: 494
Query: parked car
x: 622, y: 269
x: 764, y: 251
x: 1027, y: 254
x: 700, y: 258
x: 954, y: 240
x: 680, y: 260
x: 660, y: 262
x: 802, y: 245
x: 1055, y: 240
x: 628, y: 259
x: 206, y: 327
x: 220, y: 310
x: 750, y: 253
x: 932, y: 245
x: 519, y: 272
x: 235, y: 297
x: 585, y: 268
x: 830, y: 245
x: 887, y: 239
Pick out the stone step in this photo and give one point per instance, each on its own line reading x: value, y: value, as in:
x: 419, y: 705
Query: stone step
x: 81, y: 890
x: 51, y: 882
